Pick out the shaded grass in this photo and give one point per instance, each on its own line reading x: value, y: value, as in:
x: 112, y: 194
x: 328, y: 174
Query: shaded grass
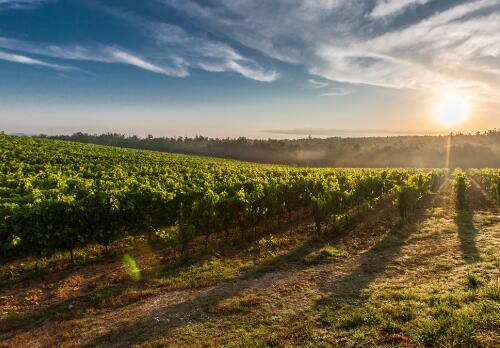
x: 264, y: 255
x: 467, y: 232
x: 25, y: 268
x: 201, y: 270
x: 204, y: 268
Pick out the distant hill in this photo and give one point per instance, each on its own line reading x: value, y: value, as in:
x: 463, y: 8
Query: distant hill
x: 466, y: 150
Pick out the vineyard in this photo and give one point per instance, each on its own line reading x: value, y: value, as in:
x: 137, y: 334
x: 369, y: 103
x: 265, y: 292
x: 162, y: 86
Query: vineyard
x: 59, y: 196
x: 298, y: 230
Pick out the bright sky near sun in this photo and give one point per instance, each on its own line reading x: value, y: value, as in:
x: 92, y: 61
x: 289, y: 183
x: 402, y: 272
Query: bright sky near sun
x: 452, y: 109
x: 251, y: 68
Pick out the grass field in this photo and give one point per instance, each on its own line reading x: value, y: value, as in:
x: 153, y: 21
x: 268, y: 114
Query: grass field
x: 432, y: 281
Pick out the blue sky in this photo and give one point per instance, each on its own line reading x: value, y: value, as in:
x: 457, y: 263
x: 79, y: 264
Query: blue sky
x: 254, y: 68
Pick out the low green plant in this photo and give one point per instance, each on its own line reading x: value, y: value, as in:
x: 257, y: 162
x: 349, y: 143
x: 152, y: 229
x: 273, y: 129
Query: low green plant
x: 473, y: 281
x: 390, y: 327
x: 269, y: 243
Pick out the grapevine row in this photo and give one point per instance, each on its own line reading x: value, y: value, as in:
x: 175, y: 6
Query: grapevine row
x: 461, y: 184
x: 57, y: 195
x: 490, y: 180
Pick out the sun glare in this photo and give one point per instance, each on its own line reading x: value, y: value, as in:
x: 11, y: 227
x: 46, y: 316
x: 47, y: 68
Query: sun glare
x: 452, y: 109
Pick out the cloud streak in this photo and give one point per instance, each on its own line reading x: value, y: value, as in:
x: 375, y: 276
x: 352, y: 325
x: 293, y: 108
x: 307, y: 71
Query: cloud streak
x: 98, y: 53
x: 206, y: 54
x: 326, y: 88
x: 127, y: 58
x: 21, y: 4
x: 392, y: 7
x: 346, y: 132
x: 336, y: 92
x: 16, y: 58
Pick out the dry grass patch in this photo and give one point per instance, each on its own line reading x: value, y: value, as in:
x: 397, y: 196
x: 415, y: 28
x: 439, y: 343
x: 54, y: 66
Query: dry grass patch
x: 327, y: 253
x: 235, y: 305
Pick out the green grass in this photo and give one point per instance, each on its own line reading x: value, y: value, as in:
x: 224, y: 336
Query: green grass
x: 30, y: 267
x: 264, y: 255
x: 443, y: 319
x: 201, y: 274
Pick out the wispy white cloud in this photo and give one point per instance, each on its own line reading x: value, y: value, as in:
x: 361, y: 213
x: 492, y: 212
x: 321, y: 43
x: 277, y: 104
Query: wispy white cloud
x: 315, y: 84
x: 391, y: 7
x: 336, y: 92
x: 17, y: 58
x: 354, y: 42
x: 196, y: 51
x: 219, y: 57
x: 130, y: 59
x: 168, y: 49
x: 98, y: 53
x: 21, y: 4
x: 242, y: 68
x: 326, y: 88
x: 209, y: 56
x: 214, y: 56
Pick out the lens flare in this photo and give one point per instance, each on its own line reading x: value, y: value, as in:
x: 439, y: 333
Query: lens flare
x: 132, y: 268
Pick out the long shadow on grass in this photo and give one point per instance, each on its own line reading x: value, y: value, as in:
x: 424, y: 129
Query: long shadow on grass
x: 375, y: 261
x: 478, y: 200
x: 161, y: 322
x: 87, y: 296
x: 74, y: 307
x: 65, y: 309
x: 467, y: 234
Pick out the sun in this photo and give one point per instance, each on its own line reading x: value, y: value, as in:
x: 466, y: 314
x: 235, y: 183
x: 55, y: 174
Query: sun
x: 452, y: 109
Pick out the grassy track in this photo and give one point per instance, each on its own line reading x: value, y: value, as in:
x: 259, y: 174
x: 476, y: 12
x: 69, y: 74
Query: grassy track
x: 432, y: 281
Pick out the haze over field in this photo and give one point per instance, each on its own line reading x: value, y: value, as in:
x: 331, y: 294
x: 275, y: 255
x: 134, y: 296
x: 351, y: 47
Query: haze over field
x: 280, y: 69
x: 460, y: 150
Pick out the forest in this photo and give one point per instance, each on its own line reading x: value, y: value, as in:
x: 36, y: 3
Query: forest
x: 465, y: 150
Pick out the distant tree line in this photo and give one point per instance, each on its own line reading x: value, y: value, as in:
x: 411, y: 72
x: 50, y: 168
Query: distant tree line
x: 481, y: 149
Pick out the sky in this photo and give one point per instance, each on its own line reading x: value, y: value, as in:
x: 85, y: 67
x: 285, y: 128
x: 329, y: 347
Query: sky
x: 254, y: 68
